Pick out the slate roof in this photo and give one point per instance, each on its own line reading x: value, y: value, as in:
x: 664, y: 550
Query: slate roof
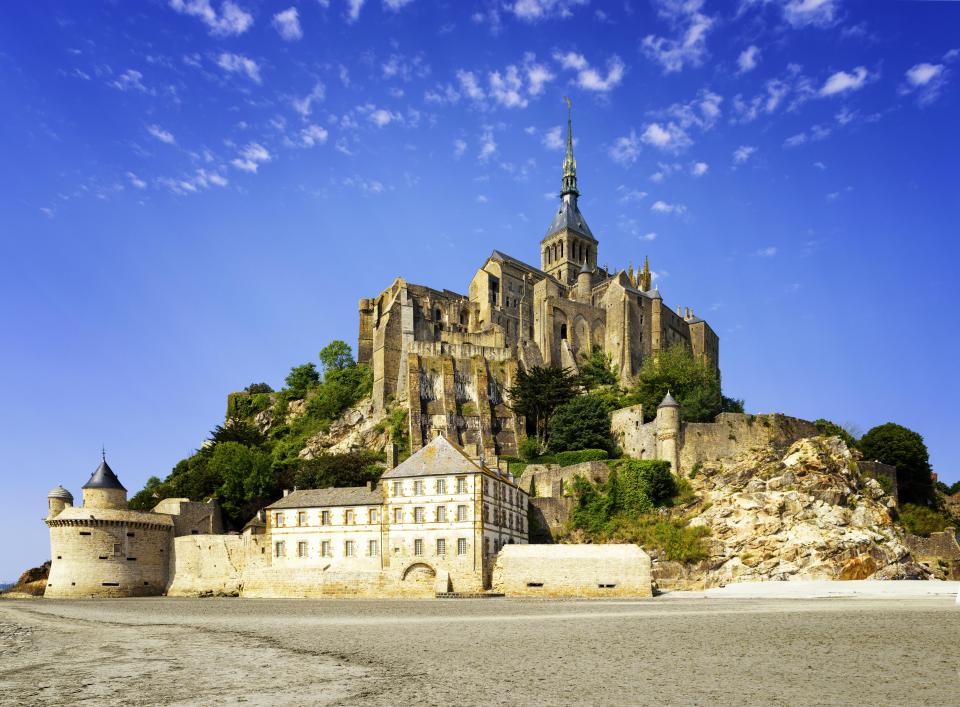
x: 668, y: 402
x: 569, y: 216
x: 499, y: 255
x: 438, y: 457
x: 345, y: 496
x: 104, y: 478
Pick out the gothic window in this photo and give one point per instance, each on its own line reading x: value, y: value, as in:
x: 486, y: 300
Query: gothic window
x: 561, y: 249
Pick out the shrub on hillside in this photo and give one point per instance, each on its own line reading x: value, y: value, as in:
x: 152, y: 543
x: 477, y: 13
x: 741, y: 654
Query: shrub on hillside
x: 581, y: 423
x: 832, y: 429
x: 903, y: 448
x: 921, y: 520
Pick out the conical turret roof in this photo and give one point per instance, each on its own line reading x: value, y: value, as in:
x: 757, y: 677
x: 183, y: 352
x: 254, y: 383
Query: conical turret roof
x: 669, y: 402
x: 60, y: 492
x: 104, y: 478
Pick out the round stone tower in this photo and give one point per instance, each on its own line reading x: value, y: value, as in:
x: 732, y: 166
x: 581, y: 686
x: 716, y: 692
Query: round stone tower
x: 102, y: 549
x: 58, y: 499
x: 585, y: 283
x: 668, y: 432
x: 104, y: 489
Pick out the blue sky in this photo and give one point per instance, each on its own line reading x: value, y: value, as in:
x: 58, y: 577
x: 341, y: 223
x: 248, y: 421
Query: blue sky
x: 194, y: 194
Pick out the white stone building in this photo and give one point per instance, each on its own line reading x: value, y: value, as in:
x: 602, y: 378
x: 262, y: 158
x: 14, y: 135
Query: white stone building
x: 438, y: 520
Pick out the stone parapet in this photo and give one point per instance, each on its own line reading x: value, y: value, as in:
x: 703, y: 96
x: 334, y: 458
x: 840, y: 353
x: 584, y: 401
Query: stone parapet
x: 572, y: 571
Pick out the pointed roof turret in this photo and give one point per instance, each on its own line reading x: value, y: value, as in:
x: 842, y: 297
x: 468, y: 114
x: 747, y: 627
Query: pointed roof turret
x: 668, y: 402
x: 104, y: 478
x: 569, y: 163
x: 585, y: 269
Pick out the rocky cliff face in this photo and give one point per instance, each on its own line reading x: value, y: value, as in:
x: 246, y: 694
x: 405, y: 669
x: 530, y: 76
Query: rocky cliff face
x: 358, y: 428
x: 807, y: 514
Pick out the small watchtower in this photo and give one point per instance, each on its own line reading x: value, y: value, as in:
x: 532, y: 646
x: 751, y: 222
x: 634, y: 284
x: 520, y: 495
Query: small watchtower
x: 104, y: 489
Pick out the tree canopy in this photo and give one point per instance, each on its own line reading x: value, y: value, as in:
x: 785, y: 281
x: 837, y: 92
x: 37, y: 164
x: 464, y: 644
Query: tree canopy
x: 537, y: 393
x: 691, y: 380
x: 581, y: 423
x: 894, y: 444
x: 597, y: 370
x: 302, y: 378
x: 336, y: 356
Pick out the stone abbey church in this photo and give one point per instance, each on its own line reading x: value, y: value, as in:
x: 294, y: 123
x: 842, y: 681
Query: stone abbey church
x: 450, y: 357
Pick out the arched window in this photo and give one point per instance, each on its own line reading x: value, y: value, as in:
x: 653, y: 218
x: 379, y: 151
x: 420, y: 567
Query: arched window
x: 561, y: 249
x: 563, y: 331
x: 438, y: 315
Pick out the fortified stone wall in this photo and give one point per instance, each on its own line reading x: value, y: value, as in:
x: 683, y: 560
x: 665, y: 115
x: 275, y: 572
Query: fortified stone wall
x: 316, y: 582
x: 192, y: 517
x: 116, y: 557
x: 573, y: 570
x: 940, y: 552
x: 214, y: 564
x: 551, y: 480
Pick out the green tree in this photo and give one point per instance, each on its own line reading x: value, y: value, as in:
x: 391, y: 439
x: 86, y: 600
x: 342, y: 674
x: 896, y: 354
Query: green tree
x: 245, y: 476
x: 537, y: 393
x: 894, y: 444
x: 255, y: 388
x: 832, y: 429
x: 302, y: 378
x: 336, y: 356
x: 581, y: 423
x: 348, y: 469
x: 731, y: 404
x: 691, y: 380
x: 149, y: 496
x: 235, y: 429
x: 597, y: 370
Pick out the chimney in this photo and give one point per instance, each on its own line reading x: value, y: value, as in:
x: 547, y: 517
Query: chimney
x: 286, y: 492
x: 369, y: 486
x: 391, y: 451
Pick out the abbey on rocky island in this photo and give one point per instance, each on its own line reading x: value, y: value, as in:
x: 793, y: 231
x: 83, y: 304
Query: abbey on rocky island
x: 450, y: 357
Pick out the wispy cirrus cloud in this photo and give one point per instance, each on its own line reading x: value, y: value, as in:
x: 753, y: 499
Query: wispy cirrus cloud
x: 688, y: 46
x: 237, y: 63
x: 251, y: 157
x: 589, y: 78
x: 287, y: 24
x: 625, y: 149
x: 537, y: 10
x: 231, y: 20
x: 843, y: 82
x: 160, y: 134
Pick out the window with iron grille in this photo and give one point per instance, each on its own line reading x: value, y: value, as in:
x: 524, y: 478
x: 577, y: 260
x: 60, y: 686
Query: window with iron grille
x: 418, y: 514
x: 324, y: 517
x: 302, y: 548
x: 417, y: 488
x: 373, y: 548
x: 302, y: 518
x: 348, y: 548
x: 441, y: 486
x: 397, y: 488
x: 397, y: 515
x: 441, y: 514
x: 461, y: 546
x: 441, y: 546
x: 278, y: 520
x: 373, y: 515
x: 418, y: 547
x: 325, y: 549
x: 278, y: 548
x: 461, y: 484
x: 461, y: 512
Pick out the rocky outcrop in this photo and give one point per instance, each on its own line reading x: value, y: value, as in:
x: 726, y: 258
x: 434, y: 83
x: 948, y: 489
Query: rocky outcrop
x: 808, y: 514
x: 32, y: 583
x: 358, y: 428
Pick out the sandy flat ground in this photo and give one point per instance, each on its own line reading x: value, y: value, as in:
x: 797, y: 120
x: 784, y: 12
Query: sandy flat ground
x: 480, y: 652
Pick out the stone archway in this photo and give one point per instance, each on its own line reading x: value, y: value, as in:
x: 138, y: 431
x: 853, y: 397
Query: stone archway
x: 419, y: 573
x: 581, y: 336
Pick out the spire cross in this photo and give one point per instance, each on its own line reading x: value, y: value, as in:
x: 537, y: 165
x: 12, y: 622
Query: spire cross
x: 103, y: 453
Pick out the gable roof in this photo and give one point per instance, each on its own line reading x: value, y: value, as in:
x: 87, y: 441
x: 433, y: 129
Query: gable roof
x: 343, y: 496
x: 437, y: 458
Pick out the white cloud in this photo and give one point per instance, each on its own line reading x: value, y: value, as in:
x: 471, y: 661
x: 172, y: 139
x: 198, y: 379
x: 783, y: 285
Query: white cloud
x: 201, y: 179
x: 161, y: 134
x: 536, y: 10
x: 669, y: 138
x: 553, y: 139
x: 481, y: 199
x: 689, y: 46
x: 795, y: 140
x: 663, y: 207
x: 251, y: 157
x: 589, y: 78
x: 353, y: 9
x: 748, y: 59
x: 396, y: 5
x: 304, y: 105
x: 767, y: 252
x: 804, y: 13
x: 698, y: 169
x: 237, y: 63
x: 625, y: 150
x: 651, y: 236
x: 459, y: 147
x: 841, y: 82
x: 130, y: 80
x: 629, y: 196
x: 313, y: 135
x: 488, y: 146
x: 538, y: 75
x: 927, y: 80
x: 470, y: 85
x: 820, y: 165
x: 743, y: 153
x: 368, y: 186
x: 382, y: 117
x: 231, y: 20
x: 136, y: 181
x: 287, y: 23
x: 506, y: 89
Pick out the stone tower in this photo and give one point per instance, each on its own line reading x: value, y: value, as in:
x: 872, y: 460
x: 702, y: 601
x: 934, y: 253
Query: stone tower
x: 569, y: 243
x: 103, y: 549
x: 668, y: 432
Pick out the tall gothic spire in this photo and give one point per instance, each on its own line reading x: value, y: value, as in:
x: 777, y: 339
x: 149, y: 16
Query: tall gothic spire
x: 569, y: 163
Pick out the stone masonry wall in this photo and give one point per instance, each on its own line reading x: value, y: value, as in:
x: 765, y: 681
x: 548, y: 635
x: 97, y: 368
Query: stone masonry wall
x: 573, y: 570
x: 214, y: 564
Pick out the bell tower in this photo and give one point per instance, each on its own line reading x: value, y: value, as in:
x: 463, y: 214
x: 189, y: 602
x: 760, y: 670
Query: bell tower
x: 569, y: 244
